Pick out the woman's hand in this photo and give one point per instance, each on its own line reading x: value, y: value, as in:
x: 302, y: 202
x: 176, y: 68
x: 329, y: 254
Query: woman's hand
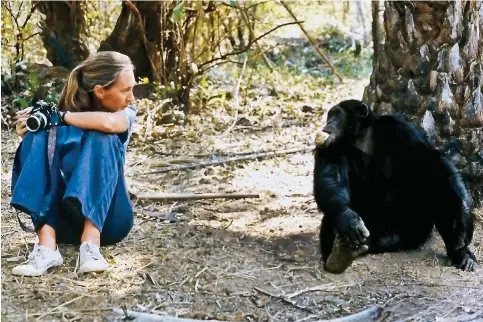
x: 21, y: 121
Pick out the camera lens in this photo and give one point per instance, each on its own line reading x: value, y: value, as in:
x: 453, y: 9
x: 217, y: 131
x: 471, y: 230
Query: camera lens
x: 36, y: 122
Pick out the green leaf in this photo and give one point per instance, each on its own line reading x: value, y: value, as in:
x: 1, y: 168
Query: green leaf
x: 34, y: 81
x: 22, y: 101
x: 177, y: 12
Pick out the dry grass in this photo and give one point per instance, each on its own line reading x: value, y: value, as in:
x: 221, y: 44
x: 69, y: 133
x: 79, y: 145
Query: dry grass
x: 223, y: 257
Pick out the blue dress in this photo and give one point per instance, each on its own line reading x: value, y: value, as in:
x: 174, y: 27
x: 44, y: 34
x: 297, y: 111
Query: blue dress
x: 83, y: 179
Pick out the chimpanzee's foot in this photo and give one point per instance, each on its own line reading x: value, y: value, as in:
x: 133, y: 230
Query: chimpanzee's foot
x: 464, y: 259
x: 342, y: 256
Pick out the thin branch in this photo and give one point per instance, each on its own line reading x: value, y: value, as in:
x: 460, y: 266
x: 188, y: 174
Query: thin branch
x: 237, y: 98
x: 219, y: 41
x: 26, y: 315
x: 284, y: 299
x: 30, y: 14
x: 256, y: 4
x: 318, y: 288
x: 334, y: 70
x: 252, y: 33
x: 194, y: 196
x: 227, y: 160
x: 202, y: 70
x: 11, y: 14
x: 19, y: 10
x: 33, y: 35
x: 247, y: 8
x: 221, y: 63
x: 131, y: 6
x: 222, y: 153
x: 53, y: 311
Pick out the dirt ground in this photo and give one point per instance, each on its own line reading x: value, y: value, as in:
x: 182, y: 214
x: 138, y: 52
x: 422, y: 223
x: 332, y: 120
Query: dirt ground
x: 247, y: 260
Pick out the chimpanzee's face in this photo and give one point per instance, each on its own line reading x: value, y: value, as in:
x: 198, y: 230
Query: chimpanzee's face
x: 337, y: 121
x: 344, y: 121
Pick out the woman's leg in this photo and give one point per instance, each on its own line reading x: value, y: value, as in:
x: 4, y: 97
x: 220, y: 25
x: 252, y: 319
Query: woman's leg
x: 90, y: 233
x: 96, y: 198
x: 46, y: 235
x: 118, y: 222
x: 92, y: 177
x: 34, y: 194
x: 116, y: 227
x: 91, y: 183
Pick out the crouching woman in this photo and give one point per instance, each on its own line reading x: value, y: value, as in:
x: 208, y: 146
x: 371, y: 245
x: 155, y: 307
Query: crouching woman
x: 70, y: 178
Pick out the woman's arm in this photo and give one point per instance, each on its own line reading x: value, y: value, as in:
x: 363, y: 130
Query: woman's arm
x: 99, y: 121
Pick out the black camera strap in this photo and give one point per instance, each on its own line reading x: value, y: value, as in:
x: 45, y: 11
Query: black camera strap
x: 51, y: 141
x: 23, y: 226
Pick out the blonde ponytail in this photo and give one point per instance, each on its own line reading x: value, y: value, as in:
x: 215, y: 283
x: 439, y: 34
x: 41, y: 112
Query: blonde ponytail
x: 101, y: 68
x: 73, y: 96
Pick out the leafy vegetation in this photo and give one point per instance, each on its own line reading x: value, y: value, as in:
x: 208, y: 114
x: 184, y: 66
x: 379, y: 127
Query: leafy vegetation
x: 215, y: 36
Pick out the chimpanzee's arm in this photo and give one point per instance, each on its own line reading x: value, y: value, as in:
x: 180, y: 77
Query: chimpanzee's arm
x: 332, y: 196
x: 330, y: 183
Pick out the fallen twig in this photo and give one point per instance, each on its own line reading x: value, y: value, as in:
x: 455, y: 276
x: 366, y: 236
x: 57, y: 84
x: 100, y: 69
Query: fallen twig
x: 284, y: 299
x: 318, y: 288
x: 194, y: 196
x: 227, y: 160
x: 145, y: 317
x: 218, y: 154
x: 371, y: 313
x: 27, y: 315
x: 53, y: 311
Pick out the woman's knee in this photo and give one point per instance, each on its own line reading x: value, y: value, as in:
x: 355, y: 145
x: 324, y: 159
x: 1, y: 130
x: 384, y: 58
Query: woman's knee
x: 112, y: 235
x: 97, y: 146
x: 102, y: 138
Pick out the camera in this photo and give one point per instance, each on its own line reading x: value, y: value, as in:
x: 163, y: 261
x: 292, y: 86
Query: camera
x: 42, y: 115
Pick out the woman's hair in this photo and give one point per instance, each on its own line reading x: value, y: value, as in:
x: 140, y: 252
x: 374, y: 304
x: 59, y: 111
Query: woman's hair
x: 101, y: 68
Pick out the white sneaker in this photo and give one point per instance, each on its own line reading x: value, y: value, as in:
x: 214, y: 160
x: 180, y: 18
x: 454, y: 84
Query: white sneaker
x: 91, y: 259
x: 39, y: 261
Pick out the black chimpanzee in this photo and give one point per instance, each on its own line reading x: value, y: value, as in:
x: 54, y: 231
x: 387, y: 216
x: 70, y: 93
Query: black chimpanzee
x: 382, y: 187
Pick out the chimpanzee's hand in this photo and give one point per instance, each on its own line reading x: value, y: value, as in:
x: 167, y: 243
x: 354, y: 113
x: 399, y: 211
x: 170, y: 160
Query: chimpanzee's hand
x: 351, y: 229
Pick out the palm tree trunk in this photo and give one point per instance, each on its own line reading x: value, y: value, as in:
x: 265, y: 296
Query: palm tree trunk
x: 430, y: 68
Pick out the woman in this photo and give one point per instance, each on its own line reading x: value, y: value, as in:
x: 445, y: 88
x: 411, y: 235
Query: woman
x: 77, y: 194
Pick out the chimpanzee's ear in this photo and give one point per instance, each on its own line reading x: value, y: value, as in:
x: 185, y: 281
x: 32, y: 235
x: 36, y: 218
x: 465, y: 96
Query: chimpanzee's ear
x: 364, y: 110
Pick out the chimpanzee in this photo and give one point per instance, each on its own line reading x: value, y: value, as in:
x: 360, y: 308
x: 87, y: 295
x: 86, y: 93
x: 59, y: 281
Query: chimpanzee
x: 382, y: 187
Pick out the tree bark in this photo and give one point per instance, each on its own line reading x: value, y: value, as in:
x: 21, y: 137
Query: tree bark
x: 377, y: 32
x: 61, y: 31
x: 430, y: 68
x: 137, y: 34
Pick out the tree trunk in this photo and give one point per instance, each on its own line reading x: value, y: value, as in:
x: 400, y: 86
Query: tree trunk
x: 137, y: 34
x: 430, y: 68
x: 377, y: 32
x: 145, y: 32
x: 61, y: 31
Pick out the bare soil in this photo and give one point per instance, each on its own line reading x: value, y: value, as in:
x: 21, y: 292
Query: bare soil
x: 222, y: 258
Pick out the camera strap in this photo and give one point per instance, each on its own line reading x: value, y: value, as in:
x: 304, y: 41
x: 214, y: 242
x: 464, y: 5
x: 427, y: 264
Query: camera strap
x: 51, y: 146
x: 23, y: 226
x: 51, y: 141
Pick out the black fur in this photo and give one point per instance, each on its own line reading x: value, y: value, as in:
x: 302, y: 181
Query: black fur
x: 400, y: 190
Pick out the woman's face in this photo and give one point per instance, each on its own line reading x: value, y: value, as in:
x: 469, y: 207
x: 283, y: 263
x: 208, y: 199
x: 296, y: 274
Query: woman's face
x: 119, y: 95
